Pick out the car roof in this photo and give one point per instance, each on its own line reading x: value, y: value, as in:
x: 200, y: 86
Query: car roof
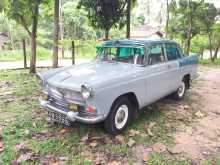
x: 132, y: 42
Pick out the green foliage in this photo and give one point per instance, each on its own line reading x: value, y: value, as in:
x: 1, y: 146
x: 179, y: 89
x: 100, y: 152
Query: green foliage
x: 75, y: 23
x: 104, y: 15
x: 199, y: 43
x: 180, y: 11
x: 3, y: 5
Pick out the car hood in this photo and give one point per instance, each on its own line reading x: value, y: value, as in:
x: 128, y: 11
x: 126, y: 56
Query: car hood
x: 94, y: 74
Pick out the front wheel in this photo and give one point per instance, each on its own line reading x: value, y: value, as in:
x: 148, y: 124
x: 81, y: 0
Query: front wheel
x: 180, y: 93
x: 119, y: 116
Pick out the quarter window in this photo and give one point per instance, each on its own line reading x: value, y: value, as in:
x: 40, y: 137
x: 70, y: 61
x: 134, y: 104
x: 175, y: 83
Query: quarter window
x: 172, y: 52
x: 156, y: 54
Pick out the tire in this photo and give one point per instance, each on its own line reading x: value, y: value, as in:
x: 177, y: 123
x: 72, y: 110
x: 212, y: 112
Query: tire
x: 119, y: 116
x: 180, y: 93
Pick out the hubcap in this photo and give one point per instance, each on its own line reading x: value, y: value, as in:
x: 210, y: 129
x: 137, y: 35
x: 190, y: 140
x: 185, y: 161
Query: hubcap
x: 181, y: 89
x: 121, y: 116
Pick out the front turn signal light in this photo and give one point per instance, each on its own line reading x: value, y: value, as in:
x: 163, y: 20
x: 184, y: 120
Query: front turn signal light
x: 91, y: 109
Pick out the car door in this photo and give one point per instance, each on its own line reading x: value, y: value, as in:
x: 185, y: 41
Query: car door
x: 172, y: 54
x: 157, y: 73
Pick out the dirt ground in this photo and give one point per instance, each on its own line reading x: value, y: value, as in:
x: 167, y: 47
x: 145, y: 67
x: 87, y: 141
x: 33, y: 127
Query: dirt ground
x: 201, y: 139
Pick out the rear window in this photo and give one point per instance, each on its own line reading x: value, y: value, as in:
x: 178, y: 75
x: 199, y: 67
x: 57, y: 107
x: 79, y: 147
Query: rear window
x: 172, y: 52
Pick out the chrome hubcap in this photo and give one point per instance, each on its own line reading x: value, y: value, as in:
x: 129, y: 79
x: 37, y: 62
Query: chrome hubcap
x: 181, y: 89
x: 121, y: 116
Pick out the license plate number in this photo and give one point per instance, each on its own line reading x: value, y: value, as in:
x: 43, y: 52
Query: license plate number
x: 59, y: 118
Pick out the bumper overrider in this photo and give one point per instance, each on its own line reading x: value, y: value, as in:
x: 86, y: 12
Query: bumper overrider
x: 72, y: 116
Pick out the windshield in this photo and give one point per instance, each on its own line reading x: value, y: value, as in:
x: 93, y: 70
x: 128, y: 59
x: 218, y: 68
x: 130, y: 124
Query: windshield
x: 133, y: 55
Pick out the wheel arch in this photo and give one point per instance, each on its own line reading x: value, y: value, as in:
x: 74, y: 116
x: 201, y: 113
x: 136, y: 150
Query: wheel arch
x: 187, y: 78
x: 131, y: 97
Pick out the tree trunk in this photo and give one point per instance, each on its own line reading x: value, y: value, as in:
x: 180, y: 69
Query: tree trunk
x: 216, y: 52
x: 201, y: 52
x: 106, y: 35
x: 33, y: 39
x: 210, y: 45
x: 188, y: 40
x: 24, y: 53
x: 189, y: 31
x: 168, y: 19
x: 56, y: 34
x: 61, y: 29
x: 128, y: 18
x: 73, y: 52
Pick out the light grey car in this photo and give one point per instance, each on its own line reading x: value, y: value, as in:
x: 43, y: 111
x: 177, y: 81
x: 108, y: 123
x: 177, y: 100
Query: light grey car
x: 127, y: 75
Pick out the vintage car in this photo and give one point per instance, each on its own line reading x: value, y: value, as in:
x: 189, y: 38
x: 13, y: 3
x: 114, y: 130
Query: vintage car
x: 126, y: 76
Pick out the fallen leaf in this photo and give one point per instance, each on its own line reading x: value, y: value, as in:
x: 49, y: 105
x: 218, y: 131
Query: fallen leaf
x: 55, y: 163
x: 145, y: 157
x: 24, y: 157
x: 175, y: 150
x: 34, y: 125
x: 85, y: 138
x: 131, y: 143
x: 151, y: 125
x: 199, y: 114
x: 20, y: 146
x: 133, y: 132
x: 63, y: 158
x: 120, y: 138
x: 150, y: 132
x: 186, y: 107
x: 63, y: 131
x: 27, y: 132
x: 93, y: 144
x: 159, y: 147
x: 114, y: 163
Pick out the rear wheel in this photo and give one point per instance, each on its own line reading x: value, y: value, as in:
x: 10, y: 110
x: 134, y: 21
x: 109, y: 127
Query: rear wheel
x: 119, y: 116
x: 180, y: 93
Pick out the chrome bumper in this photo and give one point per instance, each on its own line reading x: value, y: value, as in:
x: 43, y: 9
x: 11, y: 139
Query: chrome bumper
x: 72, y: 116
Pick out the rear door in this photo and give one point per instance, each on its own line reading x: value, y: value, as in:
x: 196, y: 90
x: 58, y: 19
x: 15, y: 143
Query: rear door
x: 158, y: 73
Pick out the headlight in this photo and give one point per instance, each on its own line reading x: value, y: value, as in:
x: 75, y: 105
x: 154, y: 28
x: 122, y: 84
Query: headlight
x: 86, y: 91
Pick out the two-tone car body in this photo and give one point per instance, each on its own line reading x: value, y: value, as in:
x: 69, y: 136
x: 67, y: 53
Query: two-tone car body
x: 127, y: 75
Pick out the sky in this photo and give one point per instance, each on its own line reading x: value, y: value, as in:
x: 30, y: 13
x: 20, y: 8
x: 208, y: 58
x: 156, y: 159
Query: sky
x: 216, y: 2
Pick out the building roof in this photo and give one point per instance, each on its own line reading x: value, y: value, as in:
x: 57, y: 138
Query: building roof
x: 146, y: 31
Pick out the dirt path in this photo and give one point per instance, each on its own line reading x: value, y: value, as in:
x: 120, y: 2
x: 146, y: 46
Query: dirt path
x: 201, y: 140
x: 45, y: 63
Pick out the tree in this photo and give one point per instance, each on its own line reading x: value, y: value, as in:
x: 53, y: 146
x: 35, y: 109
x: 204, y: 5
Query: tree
x: 184, y: 21
x: 106, y: 14
x: 75, y: 23
x: 26, y: 13
x: 208, y: 13
x: 216, y: 34
x: 56, y: 33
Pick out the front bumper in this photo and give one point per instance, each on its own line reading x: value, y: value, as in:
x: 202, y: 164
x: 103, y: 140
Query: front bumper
x: 72, y: 116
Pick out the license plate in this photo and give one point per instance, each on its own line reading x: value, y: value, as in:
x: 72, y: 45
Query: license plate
x: 59, y: 118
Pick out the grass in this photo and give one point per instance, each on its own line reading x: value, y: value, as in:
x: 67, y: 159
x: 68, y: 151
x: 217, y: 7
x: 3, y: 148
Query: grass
x: 209, y: 63
x: 25, y: 123
x: 81, y: 52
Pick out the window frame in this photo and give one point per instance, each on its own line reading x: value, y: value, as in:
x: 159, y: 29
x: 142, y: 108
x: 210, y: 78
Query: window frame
x: 148, y: 53
x: 178, y: 49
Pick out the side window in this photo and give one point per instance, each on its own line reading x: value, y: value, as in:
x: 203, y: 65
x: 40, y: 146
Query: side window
x: 172, y: 52
x: 156, y: 54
